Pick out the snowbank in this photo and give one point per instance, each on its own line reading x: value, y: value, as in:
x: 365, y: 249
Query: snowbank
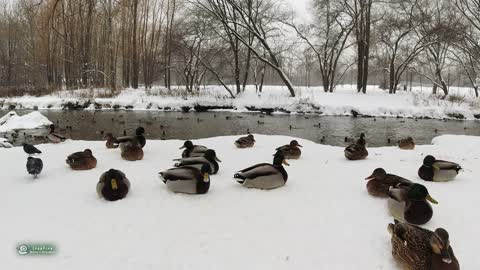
x: 418, y: 103
x: 322, y: 219
x: 33, y: 123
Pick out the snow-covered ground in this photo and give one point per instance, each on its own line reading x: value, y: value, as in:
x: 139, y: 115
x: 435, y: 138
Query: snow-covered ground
x: 417, y: 103
x: 323, y: 218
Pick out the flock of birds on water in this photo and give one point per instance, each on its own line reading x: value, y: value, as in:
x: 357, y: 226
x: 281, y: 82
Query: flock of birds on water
x: 413, y: 247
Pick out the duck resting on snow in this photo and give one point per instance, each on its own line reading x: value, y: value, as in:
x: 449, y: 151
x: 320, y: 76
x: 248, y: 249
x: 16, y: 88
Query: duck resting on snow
x: 264, y: 175
x: 209, y: 157
x: 410, y: 204
x: 111, y: 142
x: 139, y: 136
x: 187, y: 179
x: 380, y: 182
x: 131, y: 150
x: 113, y: 185
x: 80, y: 161
x: 358, y: 150
x: 438, y: 170
x: 245, y: 142
x: 54, y: 137
x: 192, y: 150
x: 406, y: 144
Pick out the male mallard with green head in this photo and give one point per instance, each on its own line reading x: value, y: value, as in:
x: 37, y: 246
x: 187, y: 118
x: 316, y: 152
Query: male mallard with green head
x: 209, y: 157
x: 415, y: 248
x: 113, y: 185
x: 264, y: 175
x: 192, y: 150
x: 410, y: 203
x: 438, y: 170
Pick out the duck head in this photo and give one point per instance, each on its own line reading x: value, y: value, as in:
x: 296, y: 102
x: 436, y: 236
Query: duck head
x: 295, y: 143
x: 250, y: 137
x: 440, y: 244
x: 428, y: 161
x: 139, y: 131
x: 378, y: 174
x: 88, y: 152
x: 211, y: 155
x: 419, y: 192
x: 279, y: 159
x: 188, y: 145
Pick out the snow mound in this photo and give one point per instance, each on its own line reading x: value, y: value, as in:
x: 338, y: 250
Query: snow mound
x: 323, y: 218
x: 33, y: 120
x: 4, y: 143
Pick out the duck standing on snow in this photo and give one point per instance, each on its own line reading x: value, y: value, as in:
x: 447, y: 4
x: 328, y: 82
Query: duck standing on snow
x: 415, y: 248
x: 54, y: 137
x: 111, y: 142
x: 291, y: 151
x: 80, y: 161
x: 139, y: 136
x: 358, y: 150
x: 406, y: 144
x: 187, y: 179
x: 245, y: 142
x: 131, y: 150
x: 380, y: 182
x: 34, y: 166
x: 113, y: 185
x: 264, y: 175
x: 409, y: 204
x: 210, y: 158
x: 30, y: 149
x: 192, y: 150
x: 438, y: 170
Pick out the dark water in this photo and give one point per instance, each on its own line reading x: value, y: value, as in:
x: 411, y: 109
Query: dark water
x: 92, y: 125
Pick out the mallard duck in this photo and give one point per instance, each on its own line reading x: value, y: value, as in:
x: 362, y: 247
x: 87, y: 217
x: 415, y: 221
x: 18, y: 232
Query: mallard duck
x: 357, y: 150
x: 54, y: 137
x: 244, y: 142
x: 291, y: 151
x: 131, y: 150
x: 380, y: 181
x: 415, y: 248
x: 34, y: 166
x: 192, y: 150
x: 113, y: 185
x: 406, y: 144
x: 409, y: 203
x: 82, y: 160
x: 138, y: 136
x: 30, y: 149
x: 264, y: 175
x: 111, y: 142
x: 438, y: 170
x: 210, y: 158
x: 187, y: 179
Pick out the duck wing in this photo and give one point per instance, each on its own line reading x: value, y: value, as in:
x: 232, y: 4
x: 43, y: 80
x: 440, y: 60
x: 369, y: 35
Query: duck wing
x: 283, y: 148
x: 262, y: 169
x: 447, y: 165
x: 182, y: 173
x: 125, y: 139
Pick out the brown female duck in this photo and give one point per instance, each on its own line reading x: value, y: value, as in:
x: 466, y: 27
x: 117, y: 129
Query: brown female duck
x: 245, y: 142
x: 291, y: 151
x: 357, y: 150
x: 80, y: 161
x: 380, y: 182
x: 406, y: 144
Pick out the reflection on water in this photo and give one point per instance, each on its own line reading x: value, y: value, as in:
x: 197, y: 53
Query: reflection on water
x: 92, y: 125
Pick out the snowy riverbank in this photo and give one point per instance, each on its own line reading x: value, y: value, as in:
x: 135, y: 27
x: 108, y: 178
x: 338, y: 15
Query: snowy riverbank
x: 461, y: 104
x: 322, y: 219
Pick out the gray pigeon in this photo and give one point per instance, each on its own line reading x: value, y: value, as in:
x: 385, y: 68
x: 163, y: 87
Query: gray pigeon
x: 30, y: 149
x: 34, y: 166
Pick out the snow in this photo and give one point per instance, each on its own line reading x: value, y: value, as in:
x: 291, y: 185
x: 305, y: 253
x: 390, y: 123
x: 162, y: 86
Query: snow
x: 31, y: 121
x: 4, y: 143
x: 323, y: 218
x: 417, y: 103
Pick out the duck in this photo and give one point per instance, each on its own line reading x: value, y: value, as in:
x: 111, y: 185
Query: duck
x: 131, y: 150
x: 80, y: 161
x: 416, y: 248
x: 245, y: 142
x: 54, y: 137
x: 187, y: 179
x: 410, y: 203
x: 406, y: 144
x: 111, y: 142
x: 192, y: 150
x: 291, y: 151
x: 438, y: 170
x: 113, y: 185
x: 264, y: 175
x: 358, y: 150
x: 379, y: 183
x: 209, y: 157
x: 30, y: 149
x: 139, y: 135
x: 34, y: 166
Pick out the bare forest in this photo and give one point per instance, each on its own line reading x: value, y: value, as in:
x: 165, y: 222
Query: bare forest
x: 51, y: 45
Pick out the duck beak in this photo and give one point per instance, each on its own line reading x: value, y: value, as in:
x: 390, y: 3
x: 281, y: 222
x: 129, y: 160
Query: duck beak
x: 183, y: 147
x: 371, y: 177
x: 285, y: 162
x: 217, y: 159
x: 113, y: 182
x: 430, y: 199
x: 206, y: 177
x: 299, y: 145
